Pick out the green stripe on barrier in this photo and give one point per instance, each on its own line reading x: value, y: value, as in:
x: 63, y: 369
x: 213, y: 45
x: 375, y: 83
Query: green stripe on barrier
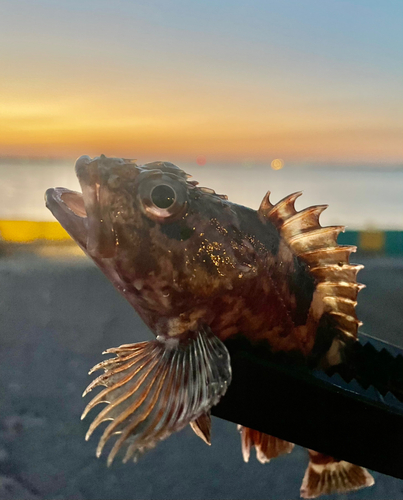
x: 374, y: 242
x: 348, y: 238
x: 393, y: 242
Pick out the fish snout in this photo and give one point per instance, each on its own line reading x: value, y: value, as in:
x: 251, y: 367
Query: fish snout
x: 82, y: 165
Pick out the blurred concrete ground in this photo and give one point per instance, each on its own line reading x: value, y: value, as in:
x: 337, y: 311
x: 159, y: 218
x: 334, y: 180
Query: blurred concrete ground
x: 56, y: 317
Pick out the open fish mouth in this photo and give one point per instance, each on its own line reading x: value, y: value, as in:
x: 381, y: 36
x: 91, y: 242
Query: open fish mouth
x: 85, y: 216
x: 72, y: 200
x: 69, y: 209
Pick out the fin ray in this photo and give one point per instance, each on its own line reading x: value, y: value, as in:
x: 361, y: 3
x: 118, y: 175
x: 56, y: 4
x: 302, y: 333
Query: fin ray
x: 202, y: 427
x: 341, y: 304
x: 158, y: 389
x: 338, y: 255
x: 340, y: 290
x: 326, y: 475
x: 347, y: 273
x: 315, y: 239
x: 283, y: 210
x: 267, y: 447
x: 302, y: 221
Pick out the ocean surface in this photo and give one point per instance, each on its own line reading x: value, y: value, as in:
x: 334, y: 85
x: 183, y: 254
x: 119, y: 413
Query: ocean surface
x: 359, y: 198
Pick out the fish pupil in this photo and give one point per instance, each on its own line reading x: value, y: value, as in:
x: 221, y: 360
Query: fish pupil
x: 163, y: 196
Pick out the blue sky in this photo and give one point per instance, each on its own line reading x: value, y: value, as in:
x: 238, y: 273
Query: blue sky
x: 301, y: 79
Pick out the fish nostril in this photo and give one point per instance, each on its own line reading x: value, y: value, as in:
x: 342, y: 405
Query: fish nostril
x: 113, y: 181
x: 81, y: 163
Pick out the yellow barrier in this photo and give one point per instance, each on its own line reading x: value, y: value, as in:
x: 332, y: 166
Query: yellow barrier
x: 371, y: 241
x: 22, y: 231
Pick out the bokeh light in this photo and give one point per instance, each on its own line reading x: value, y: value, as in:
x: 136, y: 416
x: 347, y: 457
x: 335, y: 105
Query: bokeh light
x: 277, y: 164
x: 201, y: 160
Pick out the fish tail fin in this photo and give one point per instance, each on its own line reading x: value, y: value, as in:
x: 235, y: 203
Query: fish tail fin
x: 267, y: 447
x: 156, y: 388
x: 326, y: 475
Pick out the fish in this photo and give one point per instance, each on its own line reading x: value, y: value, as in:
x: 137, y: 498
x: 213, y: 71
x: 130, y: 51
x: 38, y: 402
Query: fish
x: 199, y: 269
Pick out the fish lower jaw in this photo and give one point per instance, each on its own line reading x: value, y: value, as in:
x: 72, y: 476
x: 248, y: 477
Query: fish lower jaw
x: 68, y: 208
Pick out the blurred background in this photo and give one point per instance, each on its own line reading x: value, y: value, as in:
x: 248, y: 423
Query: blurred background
x: 245, y: 96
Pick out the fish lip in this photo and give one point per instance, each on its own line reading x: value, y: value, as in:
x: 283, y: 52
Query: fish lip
x: 76, y: 225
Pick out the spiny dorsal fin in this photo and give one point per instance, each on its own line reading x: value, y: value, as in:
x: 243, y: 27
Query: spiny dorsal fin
x: 305, y: 219
x: 328, y: 262
x: 338, y: 255
x: 281, y: 211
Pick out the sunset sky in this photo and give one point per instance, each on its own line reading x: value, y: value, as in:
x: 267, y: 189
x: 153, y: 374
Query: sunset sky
x: 302, y: 80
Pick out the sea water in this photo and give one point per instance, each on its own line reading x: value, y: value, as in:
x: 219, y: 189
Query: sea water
x: 359, y: 198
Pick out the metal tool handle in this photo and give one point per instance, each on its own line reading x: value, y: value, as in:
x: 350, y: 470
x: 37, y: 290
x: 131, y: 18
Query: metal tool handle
x: 272, y: 394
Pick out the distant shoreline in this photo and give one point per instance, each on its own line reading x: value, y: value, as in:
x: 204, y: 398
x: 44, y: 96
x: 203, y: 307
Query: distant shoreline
x: 359, y: 197
x: 247, y: 164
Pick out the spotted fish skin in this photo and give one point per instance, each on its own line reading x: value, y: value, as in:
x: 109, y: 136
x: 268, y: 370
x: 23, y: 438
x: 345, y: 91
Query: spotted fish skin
x: 213, y: 262
x: 199, y: 269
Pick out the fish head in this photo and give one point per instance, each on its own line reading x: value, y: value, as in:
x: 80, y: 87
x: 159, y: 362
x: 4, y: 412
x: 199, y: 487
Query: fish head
x: 119, y: 204
x: 164, y: 242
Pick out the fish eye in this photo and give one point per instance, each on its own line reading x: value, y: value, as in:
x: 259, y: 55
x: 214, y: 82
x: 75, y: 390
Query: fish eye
x: 163, y: 196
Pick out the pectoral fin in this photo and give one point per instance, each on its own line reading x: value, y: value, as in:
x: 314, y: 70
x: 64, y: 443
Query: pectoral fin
x: 156, y: 388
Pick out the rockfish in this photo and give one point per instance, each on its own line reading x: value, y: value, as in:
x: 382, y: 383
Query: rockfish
x: 199, y: 269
